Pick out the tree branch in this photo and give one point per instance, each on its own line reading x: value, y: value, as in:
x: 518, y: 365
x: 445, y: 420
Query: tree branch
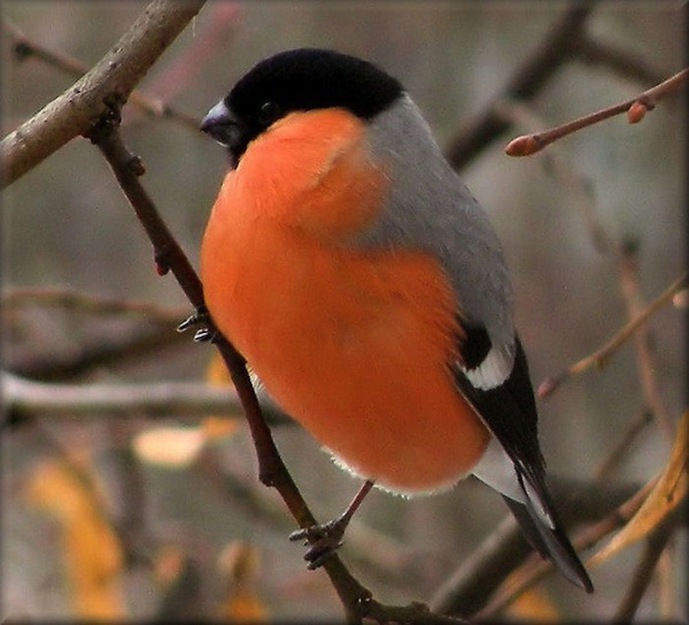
x: 169, y: 256
x: 557, y: 48
x: 636, y: 108
x: 96, y: 400
x: 74, y: 112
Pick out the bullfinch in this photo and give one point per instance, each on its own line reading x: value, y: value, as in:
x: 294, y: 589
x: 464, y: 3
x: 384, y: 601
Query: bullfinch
x: 366, y: 289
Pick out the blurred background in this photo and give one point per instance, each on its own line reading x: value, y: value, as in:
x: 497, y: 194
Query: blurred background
x: 99, y: 522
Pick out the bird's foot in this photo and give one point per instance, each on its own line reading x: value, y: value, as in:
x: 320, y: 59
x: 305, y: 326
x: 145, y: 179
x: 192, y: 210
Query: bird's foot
x: 200, y: 316
x: 324, y: 539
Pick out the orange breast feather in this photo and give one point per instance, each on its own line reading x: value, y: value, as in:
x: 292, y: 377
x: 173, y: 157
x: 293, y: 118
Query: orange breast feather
x: 353, y: 343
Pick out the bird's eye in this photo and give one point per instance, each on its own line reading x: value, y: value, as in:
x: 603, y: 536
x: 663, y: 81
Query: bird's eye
x: 268, y: 113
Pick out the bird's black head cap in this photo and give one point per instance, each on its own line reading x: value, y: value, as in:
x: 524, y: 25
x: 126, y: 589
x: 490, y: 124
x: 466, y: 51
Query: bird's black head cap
x: 301, y: 80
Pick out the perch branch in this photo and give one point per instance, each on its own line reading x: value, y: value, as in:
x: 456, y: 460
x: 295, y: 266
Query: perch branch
x: 355, y: 598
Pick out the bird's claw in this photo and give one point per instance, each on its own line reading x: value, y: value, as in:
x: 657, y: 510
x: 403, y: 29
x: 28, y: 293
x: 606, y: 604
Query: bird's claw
x: 205, y: 335
x: 198, y: 317
x: 324, y: 539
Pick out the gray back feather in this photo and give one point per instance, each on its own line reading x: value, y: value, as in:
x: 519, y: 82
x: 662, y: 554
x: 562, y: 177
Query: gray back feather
x: 429, y: 208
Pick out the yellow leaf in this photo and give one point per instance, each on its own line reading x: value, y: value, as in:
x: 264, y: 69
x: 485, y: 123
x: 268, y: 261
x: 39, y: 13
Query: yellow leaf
x: 242, y: 602
x: 665, y: 496
x: 92, y: 553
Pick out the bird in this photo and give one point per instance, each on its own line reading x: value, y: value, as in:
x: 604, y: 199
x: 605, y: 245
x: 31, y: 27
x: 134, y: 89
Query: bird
x: 368, y: 292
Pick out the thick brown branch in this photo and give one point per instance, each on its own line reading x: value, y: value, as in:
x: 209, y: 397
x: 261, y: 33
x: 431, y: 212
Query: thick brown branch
x: 72, y: 113
x: 557, y: 48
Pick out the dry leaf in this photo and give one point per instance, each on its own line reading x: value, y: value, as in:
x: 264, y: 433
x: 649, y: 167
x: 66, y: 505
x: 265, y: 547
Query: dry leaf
x: 92, y: 553
x: 242, y: 602
x: 666, y: 495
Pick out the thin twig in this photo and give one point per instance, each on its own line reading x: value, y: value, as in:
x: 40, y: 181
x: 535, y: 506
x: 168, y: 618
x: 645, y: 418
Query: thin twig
x: 600, y: 358
x: 636, y: 108
x: 579, y: 188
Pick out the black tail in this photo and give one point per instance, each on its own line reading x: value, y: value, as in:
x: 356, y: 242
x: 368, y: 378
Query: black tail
x: 552, y: 544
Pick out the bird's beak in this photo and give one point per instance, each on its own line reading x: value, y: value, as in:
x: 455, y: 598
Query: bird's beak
x: 221, y: 124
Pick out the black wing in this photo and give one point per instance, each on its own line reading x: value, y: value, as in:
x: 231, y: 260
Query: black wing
x: 509, y: 411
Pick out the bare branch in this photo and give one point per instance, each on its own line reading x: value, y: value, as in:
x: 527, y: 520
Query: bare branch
x: 74, y: 112
x: 152, y: 399
x: 557, y: 48
x: 636, y: 108
x: 169, y: 256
